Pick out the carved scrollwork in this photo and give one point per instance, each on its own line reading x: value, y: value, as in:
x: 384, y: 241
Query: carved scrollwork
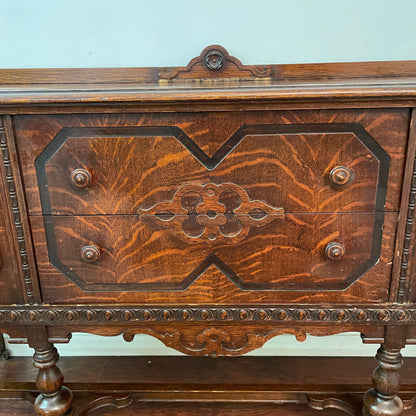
x: 214, y: 341
x: 215, y: 61
x: 222, y: 213
x: 351, y: 406
x: 117, y: 402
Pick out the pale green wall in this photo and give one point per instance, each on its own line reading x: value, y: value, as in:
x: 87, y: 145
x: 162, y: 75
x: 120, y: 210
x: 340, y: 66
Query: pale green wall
x: 108, y: 33
x: 96, y: 33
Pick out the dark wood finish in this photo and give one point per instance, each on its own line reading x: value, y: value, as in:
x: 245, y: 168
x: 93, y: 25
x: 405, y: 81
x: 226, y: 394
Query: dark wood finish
x: 110, y: 408
x: 404, y: 262
x: 383, y: 398
x: 233, y: 384
x: 10, y: 289
x: 355, y: 71
x: 157, y: 376
x: 212, y: 206
x: 20, y: 246
x: 54, y: 399
x: 215, y: 62
x: 16, y: 407
x: 372, y: 84
x: 4, y: 352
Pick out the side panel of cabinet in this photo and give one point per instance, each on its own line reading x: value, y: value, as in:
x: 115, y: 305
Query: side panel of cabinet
x: 10, y: 289
x: 18, y: 276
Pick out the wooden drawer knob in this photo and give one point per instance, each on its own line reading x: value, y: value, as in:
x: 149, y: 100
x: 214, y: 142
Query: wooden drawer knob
x: 334, y: 251
x: 340, y: 175
x: 80, y: 178
x: 90, y: 254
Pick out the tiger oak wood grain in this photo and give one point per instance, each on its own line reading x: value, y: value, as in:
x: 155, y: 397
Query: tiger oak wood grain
x: 127, y: 183
x: 10, y: 289
x: 140, y: 172
x: 288, y: 252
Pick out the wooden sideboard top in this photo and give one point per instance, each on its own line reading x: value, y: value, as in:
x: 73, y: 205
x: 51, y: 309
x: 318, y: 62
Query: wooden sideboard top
x: 213, y: 78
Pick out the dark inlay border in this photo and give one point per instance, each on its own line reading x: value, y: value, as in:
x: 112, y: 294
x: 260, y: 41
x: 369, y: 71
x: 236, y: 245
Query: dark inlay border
x: 210, y: 163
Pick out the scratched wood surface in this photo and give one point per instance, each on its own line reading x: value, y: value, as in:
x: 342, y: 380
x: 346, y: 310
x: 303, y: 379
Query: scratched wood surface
x: 131, y: 173
x: 34, y: 77
x: 333, y: 85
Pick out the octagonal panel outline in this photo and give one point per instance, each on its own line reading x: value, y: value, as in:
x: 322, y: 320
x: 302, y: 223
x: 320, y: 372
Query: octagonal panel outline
x: 210, y: 163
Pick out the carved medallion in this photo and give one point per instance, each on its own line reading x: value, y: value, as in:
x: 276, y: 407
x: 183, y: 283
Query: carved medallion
x: 214, y: 61
x: 212, y: 213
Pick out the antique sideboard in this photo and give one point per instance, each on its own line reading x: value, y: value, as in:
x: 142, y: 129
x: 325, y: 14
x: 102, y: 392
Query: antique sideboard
x: 212, y: 206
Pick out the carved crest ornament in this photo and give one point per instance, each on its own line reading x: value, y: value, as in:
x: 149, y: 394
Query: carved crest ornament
x: 212, y: 213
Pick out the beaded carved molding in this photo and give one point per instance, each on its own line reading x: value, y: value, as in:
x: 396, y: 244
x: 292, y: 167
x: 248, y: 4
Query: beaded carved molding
x: 17, y: 214
x: 83, y: 314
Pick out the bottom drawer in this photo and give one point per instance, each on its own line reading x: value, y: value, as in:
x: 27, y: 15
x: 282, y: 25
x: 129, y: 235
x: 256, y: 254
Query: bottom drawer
x: 133, y: 258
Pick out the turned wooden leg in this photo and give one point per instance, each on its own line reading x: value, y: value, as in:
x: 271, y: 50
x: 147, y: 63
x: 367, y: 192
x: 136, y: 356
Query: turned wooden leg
x: 54, y: 399
x: 382, y: 399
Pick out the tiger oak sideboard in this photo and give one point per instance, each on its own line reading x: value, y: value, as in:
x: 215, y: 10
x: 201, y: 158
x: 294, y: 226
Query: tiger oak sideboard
x: 212, y: 206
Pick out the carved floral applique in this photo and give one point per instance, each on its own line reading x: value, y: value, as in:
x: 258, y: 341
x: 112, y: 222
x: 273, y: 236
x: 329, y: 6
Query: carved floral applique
x: 222, y: 213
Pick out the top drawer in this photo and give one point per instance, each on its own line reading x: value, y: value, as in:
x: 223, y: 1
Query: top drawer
x: 305, y: 161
